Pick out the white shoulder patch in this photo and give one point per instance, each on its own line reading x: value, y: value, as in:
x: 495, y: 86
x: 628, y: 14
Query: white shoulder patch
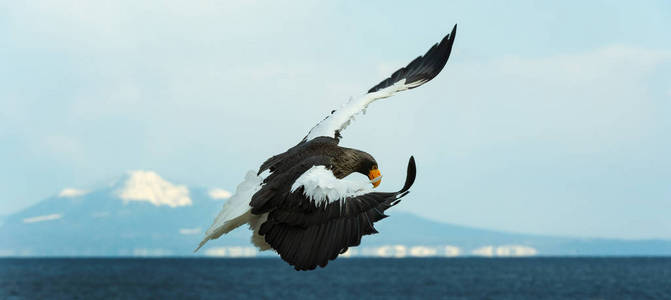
x: 320, y: 185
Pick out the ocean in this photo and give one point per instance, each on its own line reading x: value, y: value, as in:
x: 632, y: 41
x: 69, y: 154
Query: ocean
x: 344, y: 278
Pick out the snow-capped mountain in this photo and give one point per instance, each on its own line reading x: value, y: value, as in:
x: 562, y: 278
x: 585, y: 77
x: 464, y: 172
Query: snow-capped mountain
x: 140, y: 213
x: 143, y: 214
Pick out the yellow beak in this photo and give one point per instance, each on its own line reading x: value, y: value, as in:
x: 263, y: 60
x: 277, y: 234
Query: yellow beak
x: 375, y: 177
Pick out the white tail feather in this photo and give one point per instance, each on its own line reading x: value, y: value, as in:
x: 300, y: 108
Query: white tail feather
x: 235, y: 211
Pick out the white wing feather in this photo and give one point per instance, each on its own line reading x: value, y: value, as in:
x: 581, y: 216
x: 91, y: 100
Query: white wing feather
x: 343, y: 116
x: 417, y: 72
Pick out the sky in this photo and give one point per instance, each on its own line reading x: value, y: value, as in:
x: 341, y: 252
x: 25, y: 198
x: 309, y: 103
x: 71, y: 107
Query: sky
x: 549, y: 118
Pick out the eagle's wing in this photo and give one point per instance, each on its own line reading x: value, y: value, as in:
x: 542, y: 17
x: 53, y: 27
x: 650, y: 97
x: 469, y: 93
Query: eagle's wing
x: 320, y: 218
x: 419, y: 71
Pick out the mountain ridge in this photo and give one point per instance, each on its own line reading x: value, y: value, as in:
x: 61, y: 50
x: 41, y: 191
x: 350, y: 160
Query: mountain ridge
x: 143, y: 214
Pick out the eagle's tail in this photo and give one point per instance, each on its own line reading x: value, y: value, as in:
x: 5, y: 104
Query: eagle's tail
x: 236, y: 209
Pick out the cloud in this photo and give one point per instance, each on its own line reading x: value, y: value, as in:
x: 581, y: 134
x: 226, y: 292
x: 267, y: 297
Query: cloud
x: 235, y: 251
x: 147, y: 186
x: 151, y: 252
x: 43, y: 218
x: 505, y: 250
x: 70, y: 192
x: 190, y: 231
x: 587, y: 101
x: 164, y: 83
x: 217, y: 193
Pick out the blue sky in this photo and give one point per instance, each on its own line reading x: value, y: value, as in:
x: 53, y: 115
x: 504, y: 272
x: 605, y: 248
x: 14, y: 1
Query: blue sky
x: 550, y: 118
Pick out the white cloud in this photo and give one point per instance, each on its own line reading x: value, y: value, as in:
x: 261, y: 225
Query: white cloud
x: 391, y: 251
x: 505, y: 250
x: 515, y: 250
x: 151, y: 252
x: 70, y: 192
x: 131, y: 59
x: 484, y: 251
x: 43, y: 218
x: 349, y: 253
x: 423, y: 251
x: 217, y: 193
x: 231, y: 252
x: 408, y: 250
x: 589, y: 99
x: 452, y: 251
x: 189, y: 231
x: 147, y: 186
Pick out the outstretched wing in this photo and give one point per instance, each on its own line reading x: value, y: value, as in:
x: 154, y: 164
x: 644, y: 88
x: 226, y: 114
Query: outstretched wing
x: 419, y: 71
x: 308, y: 231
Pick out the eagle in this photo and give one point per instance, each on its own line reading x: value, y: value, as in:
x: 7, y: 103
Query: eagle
x: 308, y: 203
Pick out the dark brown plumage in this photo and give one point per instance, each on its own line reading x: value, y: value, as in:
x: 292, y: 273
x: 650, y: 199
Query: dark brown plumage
x: 307, y: 236
x: 286, y: 167
x: 308, y: 233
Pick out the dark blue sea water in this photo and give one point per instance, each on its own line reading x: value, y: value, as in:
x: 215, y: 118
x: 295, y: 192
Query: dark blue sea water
x: 429, y: 278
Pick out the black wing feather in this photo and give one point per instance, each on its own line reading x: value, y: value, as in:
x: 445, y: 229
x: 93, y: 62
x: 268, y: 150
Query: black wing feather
x: 423, y: 68
x: 310, y: 237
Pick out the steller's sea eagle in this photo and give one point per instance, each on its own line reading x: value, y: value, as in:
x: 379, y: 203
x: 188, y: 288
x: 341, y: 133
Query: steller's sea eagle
x: 302, y: 203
